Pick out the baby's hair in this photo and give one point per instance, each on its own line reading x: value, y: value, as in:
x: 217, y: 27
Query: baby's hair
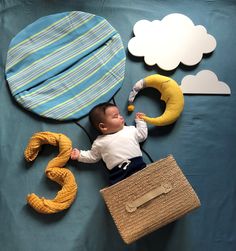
x: 97, y: 114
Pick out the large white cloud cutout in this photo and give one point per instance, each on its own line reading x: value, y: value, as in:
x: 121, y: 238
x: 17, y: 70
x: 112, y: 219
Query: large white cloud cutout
x: 205, y: 82
x: 173, y: 40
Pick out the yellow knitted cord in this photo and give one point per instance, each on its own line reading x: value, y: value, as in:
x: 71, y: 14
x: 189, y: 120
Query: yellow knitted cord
x: 54, y: 171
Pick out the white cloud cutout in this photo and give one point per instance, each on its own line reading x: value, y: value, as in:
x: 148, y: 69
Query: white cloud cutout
x: 169, y: 42
x: 205, y: 82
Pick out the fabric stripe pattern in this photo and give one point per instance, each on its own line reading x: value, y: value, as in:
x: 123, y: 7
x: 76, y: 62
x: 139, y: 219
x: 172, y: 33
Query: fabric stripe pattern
x: 62, y: 65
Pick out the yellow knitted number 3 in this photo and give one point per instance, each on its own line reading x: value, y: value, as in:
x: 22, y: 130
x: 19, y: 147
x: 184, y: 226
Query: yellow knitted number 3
x: 54, y: 171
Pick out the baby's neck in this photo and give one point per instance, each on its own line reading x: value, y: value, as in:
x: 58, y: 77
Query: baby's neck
x: 112, y: 132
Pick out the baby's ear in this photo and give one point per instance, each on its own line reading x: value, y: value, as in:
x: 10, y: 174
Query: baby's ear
x: 102, y: 127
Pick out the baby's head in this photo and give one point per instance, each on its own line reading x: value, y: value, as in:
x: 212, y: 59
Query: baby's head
x: 106, y: 118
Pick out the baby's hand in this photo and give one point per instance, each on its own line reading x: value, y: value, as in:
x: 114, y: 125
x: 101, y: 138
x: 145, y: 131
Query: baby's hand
x: 139, y: 115
x: 75, y: 154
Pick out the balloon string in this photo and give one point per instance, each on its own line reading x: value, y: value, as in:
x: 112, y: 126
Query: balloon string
x: 86, y: 132
x: 147, y: 154
x: 113, y: 100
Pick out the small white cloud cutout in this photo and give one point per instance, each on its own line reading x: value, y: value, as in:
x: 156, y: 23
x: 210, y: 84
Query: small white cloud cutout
x: 205, y: 82
x: 173, y: 40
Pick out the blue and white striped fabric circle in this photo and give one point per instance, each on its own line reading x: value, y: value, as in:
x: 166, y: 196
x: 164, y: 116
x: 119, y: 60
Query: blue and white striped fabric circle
x: 62, y: 65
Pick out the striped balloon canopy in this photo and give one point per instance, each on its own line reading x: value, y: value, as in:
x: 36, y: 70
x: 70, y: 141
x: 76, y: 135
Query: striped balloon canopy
x: 62, y: 65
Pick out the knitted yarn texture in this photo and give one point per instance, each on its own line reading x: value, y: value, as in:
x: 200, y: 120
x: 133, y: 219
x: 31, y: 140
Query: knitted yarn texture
x: 53, y: 171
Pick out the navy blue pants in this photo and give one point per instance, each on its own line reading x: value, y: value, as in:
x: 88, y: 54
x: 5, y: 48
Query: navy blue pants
x: 119, y: 173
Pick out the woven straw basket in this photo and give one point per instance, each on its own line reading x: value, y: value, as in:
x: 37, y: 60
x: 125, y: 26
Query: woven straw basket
x: 150, y: 199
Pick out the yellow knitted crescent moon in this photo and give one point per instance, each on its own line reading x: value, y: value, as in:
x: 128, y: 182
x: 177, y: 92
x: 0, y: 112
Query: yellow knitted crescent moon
x: 54, y: 171
x: 171, y: 93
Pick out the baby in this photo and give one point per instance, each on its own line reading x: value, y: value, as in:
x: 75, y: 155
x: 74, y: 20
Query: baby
x: 118, y: 145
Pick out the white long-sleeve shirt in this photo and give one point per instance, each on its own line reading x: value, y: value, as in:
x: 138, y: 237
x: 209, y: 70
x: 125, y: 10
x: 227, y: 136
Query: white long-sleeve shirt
x: 117, y: 147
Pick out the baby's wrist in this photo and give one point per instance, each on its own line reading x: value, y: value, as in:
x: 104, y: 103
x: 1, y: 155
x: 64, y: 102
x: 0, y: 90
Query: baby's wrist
x: 75, y: 154
x: 78, y: 155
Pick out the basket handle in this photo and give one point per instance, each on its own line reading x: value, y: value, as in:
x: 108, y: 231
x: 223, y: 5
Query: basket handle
x: 132, y: 206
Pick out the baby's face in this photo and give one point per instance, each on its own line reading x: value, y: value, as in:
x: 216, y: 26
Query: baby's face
x: 114, y: 122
